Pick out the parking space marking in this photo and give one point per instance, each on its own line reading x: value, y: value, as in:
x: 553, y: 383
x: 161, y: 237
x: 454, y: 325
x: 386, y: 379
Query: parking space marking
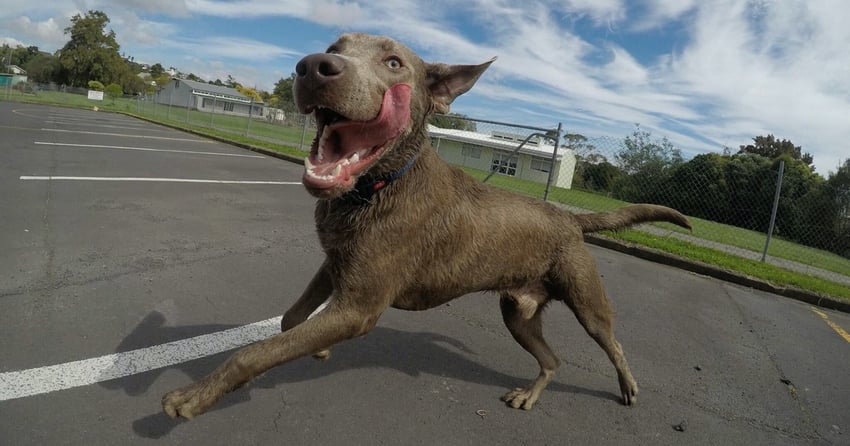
x: 40, y: 380
x: 125, y: 135
x: 841, y: 332
x: 144, y: 149
x: 155, y: 180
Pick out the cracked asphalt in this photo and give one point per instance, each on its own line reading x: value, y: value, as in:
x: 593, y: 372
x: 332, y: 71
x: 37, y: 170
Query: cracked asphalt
x: 91, y: 268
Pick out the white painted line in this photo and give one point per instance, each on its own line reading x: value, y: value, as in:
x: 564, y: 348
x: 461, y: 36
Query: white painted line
x: 36, y: 381
x: 206, y: 141
x: 144, y: 149
x: 153, y: 180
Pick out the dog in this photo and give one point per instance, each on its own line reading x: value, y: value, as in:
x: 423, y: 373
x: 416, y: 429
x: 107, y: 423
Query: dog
x: 401, y: 228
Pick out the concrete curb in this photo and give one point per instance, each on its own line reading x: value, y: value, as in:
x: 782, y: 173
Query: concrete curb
x: 705, y: 269
x: 642, y: 252
x: 221, y: 139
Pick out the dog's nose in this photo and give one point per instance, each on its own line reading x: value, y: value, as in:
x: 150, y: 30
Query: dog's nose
x: 320, y: 67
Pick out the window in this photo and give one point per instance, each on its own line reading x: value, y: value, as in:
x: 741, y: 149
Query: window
x: 206, y: 103
x: 540, y: 164
x: 228, y: 106
x: 470, y: 151
x: 504, y: 164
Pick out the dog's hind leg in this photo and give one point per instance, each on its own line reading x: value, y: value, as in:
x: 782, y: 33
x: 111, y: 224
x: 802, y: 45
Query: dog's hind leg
x: 317, y: 293
x: 586, y: 297
x: 522, y: 315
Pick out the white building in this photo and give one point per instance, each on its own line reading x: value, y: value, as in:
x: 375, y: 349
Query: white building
x: 493, y: 151
x: 208, y: 98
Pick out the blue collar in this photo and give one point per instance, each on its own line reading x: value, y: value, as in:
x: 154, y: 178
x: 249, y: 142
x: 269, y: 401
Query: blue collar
x: 365, y: 189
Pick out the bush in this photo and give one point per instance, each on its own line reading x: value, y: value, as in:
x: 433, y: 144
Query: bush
x: 96, y: 85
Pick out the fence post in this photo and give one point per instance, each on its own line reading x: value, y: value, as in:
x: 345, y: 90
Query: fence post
x: 775, y: 208
x: 250, y: 112
x: 189, y: 104
x: 212, y: 114
x: 552, y: 163
x: 170, y: 100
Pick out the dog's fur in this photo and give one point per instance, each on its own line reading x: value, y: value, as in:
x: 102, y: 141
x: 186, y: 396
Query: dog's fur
x: 430, y: 236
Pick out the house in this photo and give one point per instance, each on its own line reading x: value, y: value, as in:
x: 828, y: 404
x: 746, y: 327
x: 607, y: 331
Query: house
x: 208, y: 98
x: 14, y: 75
x: 494, y: 151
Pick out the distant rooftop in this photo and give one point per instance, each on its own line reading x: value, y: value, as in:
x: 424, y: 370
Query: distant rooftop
x: 497, y: 140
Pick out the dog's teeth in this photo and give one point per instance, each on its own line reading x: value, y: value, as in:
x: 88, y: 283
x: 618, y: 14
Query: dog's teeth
x: 307, y: 164
x: 337, y: 170
x: 354, y: 158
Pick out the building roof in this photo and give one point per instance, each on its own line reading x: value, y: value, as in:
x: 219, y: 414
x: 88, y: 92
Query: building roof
x: 218, y: 91
x: 497, y: 140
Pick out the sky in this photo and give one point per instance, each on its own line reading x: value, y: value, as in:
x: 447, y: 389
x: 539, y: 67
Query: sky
x: 703, y: 73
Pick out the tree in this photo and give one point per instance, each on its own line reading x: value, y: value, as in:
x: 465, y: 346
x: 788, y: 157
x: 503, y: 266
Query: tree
x: 42, y: 68
x: 250, y: 92
x: 282, y: 94
x: 648, y: 163
x: 640, y: 152
x: 454, y: 121
x: 114, y: 91
x: 194, y: 77
x: 156, y: 70
x: 95, y: 85
x: 92, y: 52
x: 771, y: 147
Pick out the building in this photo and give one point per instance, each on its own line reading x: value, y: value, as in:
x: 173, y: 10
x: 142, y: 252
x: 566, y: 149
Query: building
x: 14, y: 75
x: 208, y: 98
x: 495, y: 152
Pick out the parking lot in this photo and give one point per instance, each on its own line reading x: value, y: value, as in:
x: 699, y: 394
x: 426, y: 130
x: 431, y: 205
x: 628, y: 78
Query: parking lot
x: 134, y: 258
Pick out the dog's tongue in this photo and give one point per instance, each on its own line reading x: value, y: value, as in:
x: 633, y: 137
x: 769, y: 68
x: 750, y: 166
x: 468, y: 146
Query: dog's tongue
x: 340, y: 141
x: 395, y: 112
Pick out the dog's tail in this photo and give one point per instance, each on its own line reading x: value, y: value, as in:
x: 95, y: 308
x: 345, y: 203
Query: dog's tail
x: 630, y: 215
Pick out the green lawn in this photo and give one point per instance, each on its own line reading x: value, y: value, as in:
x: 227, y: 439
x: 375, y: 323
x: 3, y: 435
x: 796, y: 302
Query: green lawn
x: 289, y: 140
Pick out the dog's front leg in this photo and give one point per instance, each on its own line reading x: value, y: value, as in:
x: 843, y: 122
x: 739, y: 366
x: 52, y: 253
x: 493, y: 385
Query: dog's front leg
x: 338, y: 322
x: 317, y: 292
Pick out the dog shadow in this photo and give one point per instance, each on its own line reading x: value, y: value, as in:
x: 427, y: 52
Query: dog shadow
x: 413, y: 353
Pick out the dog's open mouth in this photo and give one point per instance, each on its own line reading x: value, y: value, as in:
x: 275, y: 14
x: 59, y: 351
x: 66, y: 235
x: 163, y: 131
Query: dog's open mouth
x: 344, y: 149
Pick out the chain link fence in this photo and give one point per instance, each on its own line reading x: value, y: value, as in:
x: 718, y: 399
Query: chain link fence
x: 733, y: 199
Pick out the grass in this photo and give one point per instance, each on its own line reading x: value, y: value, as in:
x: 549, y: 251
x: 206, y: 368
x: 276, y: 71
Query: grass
x: 752, y: 268
x: 288, y: 140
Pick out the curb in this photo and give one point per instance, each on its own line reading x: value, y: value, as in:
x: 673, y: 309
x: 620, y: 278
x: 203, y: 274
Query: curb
x: 221, y: 139
x: 642, y: 252
x: 705, y: 269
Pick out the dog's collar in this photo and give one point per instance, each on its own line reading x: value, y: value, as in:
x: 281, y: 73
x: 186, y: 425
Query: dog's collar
x: 364, y: 189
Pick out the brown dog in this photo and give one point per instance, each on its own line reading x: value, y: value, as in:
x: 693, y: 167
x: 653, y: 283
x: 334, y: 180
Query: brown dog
x: 402, y: 228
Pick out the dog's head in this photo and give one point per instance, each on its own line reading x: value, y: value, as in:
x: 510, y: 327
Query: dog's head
x: 370, y: 95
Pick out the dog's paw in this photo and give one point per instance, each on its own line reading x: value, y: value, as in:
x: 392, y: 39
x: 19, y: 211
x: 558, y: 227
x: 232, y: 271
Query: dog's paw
x: 323, y: 355
x: 629, y: 390
x: 188, y: 402
x: 520, y: 398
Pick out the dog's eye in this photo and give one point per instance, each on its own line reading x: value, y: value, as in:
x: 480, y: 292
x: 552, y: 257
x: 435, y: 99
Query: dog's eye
x: 393, y: 62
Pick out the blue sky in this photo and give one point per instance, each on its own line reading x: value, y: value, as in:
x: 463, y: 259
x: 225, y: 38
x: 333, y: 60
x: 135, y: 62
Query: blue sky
x: 702, y: 73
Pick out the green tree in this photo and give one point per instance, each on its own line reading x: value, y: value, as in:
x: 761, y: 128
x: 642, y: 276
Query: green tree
x: 42, y: 68
x: 648, y: 163
x: 91, y: 52
x: 95, y: 85
x: 771, y: 147
x: 282, y: 95
x: 114, y: 91
x: 156, y: 70
x: 456, y: 121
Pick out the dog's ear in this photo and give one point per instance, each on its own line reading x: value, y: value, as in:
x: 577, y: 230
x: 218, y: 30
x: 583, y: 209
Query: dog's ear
x: 446, y: 82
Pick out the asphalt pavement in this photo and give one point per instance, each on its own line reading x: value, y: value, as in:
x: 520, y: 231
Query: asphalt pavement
x: 134, y: 257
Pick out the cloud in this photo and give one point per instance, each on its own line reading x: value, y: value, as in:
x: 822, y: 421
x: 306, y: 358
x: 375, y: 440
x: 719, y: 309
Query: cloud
x: 49, y: 32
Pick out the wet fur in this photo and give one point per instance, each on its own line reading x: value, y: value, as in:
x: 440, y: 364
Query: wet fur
x: 433, y: 235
